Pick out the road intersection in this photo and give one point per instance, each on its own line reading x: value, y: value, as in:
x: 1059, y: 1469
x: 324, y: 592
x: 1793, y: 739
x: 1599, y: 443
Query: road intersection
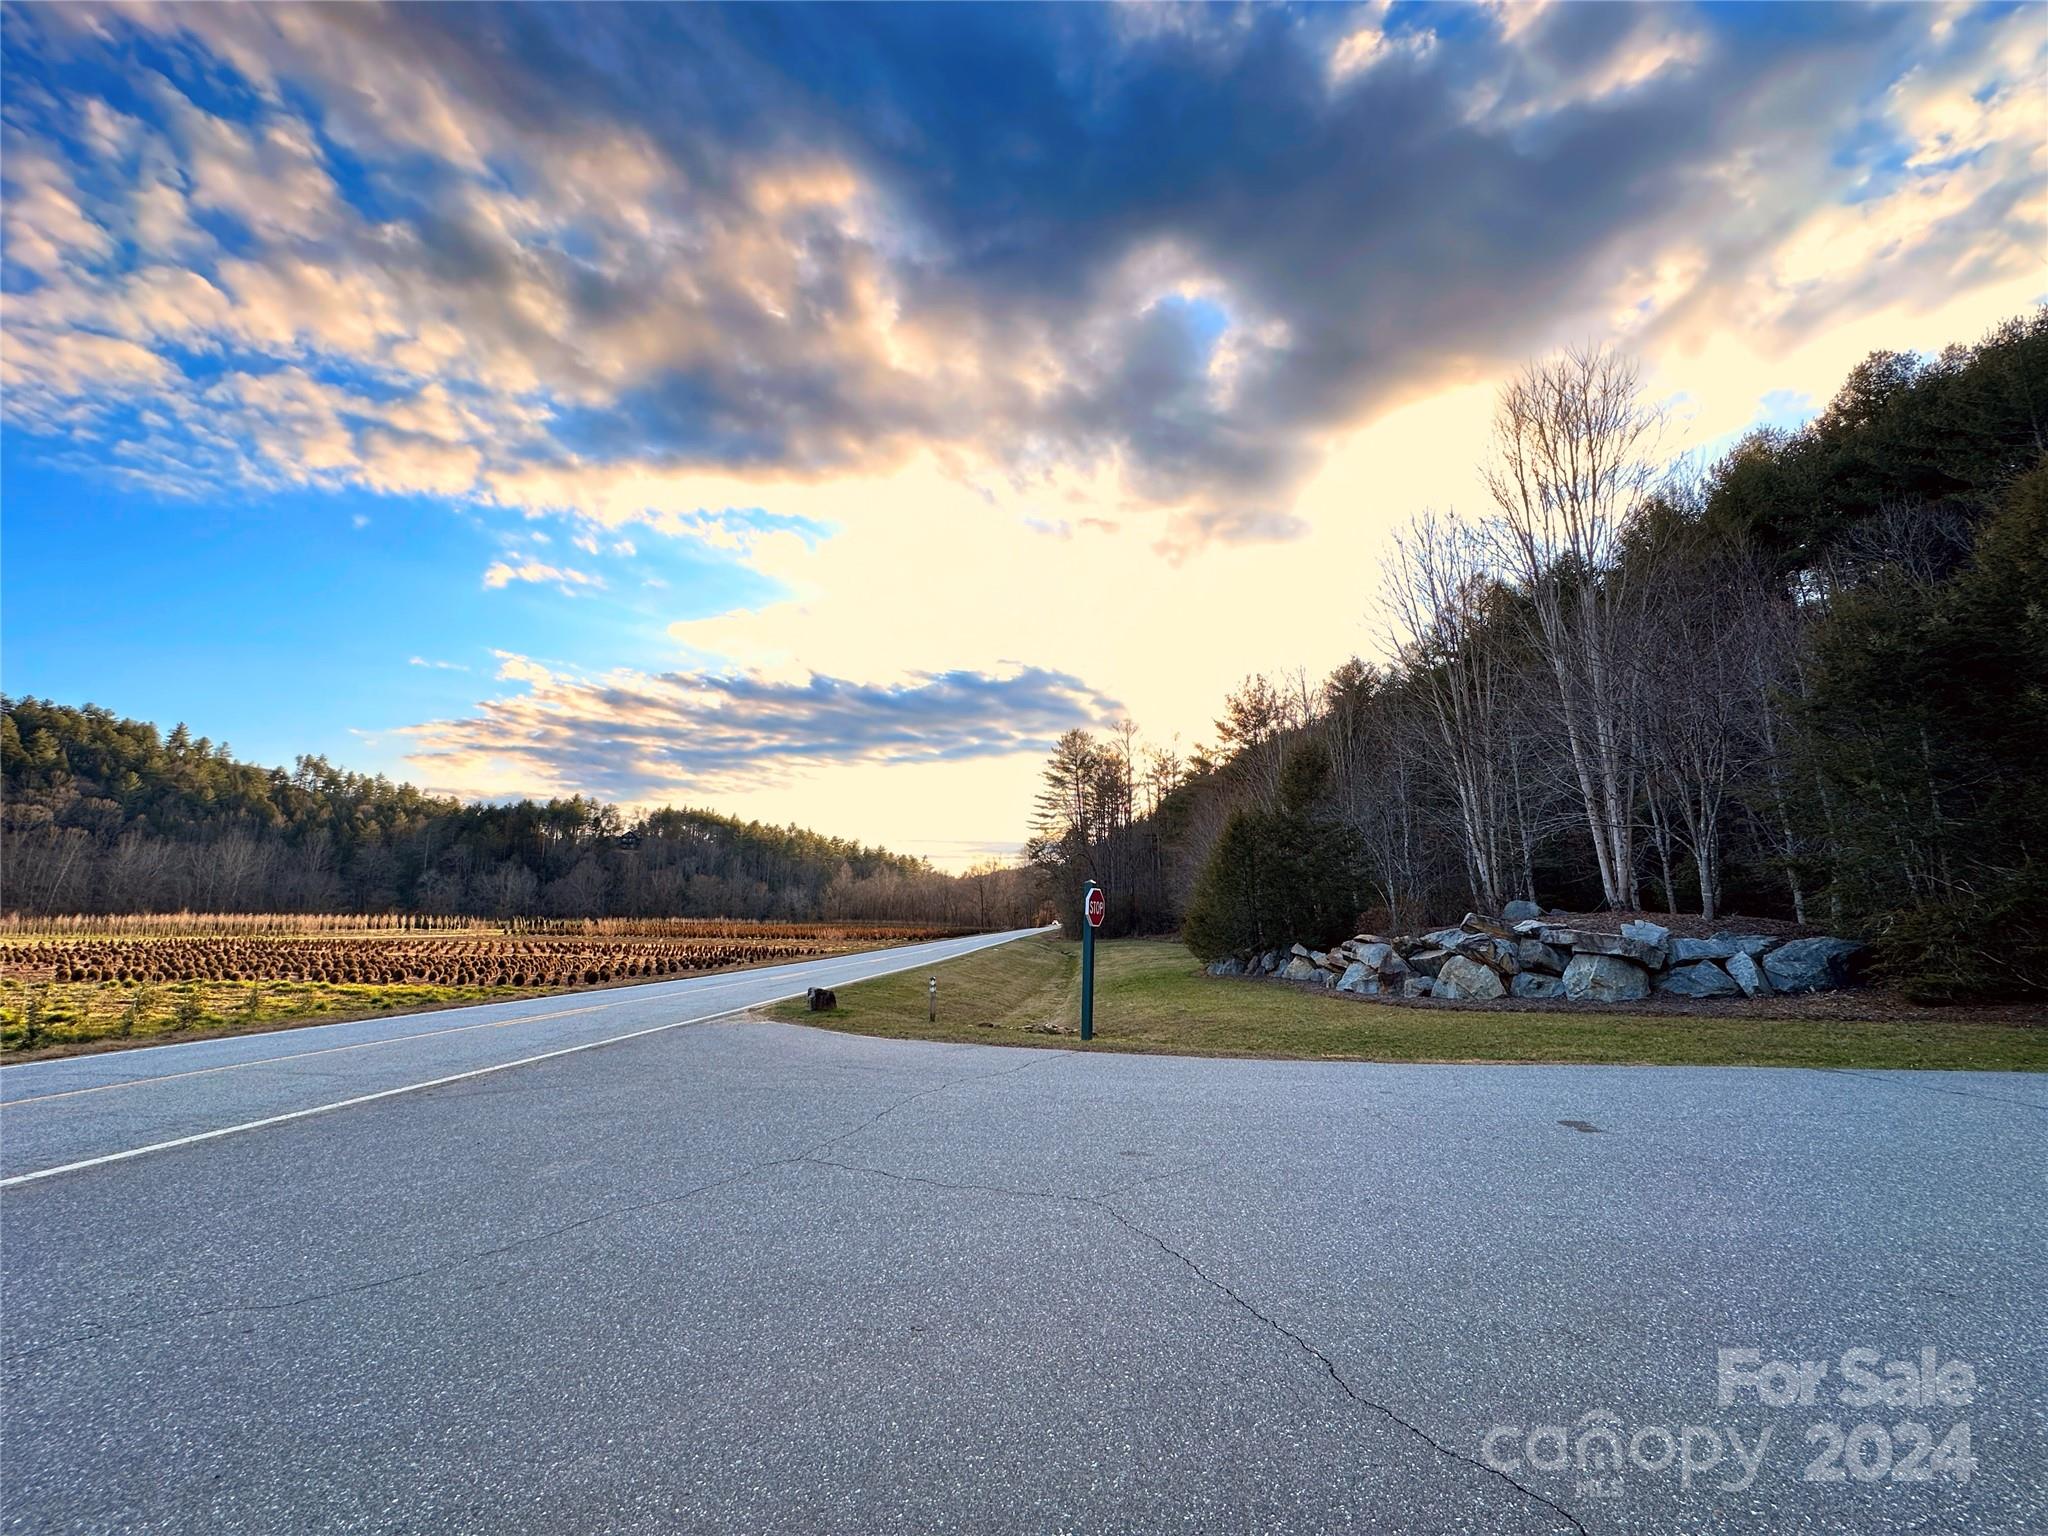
x: 748, y: 1276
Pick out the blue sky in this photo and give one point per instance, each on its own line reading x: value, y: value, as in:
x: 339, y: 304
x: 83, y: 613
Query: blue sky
x: 306, y: 621
x: 811, y: 411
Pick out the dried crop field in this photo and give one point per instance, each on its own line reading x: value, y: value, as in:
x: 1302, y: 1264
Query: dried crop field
x: 147, y: 925
x: 83, y: 984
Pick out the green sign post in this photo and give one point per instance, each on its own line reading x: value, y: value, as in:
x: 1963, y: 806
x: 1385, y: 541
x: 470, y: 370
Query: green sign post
x: 1094, y: 905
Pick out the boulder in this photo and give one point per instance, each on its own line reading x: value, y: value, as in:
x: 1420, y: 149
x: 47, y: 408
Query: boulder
x: 1318, y: 957
x: 1417, y: 986
x: 1326, y: 976
x: 1529, y: 984
x: 1476, y: 923
x: 1600, y: 978
x: 1501, y: 954
x: 1751, y: 944
x: 1299, y: 968
x: 1359, y: 978
x: 1520, y: 911
x: 1230, y: 967
x: 1535, y: 955
x: 1647, y: 933
x: 1381, y: 958
x: 1299, y: 951
x: 1686, y: 951
x: 1582, y: 942
x: 820, y: 999
x: 1701, y: 979
x: 1744, y: 971
x: 1428, y: 961
x: 1530, y: 928
x: 1464, y: 978
x: 1815, y: 965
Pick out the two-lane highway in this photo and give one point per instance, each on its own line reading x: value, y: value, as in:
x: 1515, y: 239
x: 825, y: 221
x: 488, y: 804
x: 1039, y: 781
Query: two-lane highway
x: 62, y: 1115
x: 749, y: 1277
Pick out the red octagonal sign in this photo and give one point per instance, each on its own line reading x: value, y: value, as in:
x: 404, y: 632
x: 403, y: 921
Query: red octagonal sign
x: 1098, y: 905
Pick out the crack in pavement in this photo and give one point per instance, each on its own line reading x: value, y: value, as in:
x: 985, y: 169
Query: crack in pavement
x: 1039, y: 1057
x: 1329, y: 1366
x: 1151, y: 1178
x: 1891, y: 1080
x: 461, y: 1260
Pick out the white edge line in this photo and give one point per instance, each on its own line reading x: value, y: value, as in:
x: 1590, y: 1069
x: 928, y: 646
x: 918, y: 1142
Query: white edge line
x: 272, y: 1061
x: 439, y: 1082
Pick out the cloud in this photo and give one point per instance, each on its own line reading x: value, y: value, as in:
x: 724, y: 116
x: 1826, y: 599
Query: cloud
x: 1369, y: 43
x: 519, y: 669
x: 1167, y: 254
x: 501, y: 573
x: 640, y: 737
x: 438, y: 666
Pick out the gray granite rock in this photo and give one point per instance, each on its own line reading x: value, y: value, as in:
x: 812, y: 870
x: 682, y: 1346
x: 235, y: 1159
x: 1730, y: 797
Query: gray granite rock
x: 1754, y: 945
x: 1597, y: 978
x: 1464, y: 978
x: 1747, y: 974
x: 1428, y: 961
x: 1815, y: 965
x: 1686, y: 951
x: 1703, y: 978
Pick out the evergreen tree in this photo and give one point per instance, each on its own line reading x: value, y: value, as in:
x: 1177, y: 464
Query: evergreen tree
x: 1280, y: 877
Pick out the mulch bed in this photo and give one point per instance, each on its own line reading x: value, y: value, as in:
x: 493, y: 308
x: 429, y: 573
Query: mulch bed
x: 1851, y: 1005
x: 1685, y: 925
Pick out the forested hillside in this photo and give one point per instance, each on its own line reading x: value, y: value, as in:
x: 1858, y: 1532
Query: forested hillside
x: 103, y: 814
x: 1807, y: 681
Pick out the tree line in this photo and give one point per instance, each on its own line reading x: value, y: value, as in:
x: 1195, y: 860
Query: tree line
x: 1809, y: 680
x: 109, y: 815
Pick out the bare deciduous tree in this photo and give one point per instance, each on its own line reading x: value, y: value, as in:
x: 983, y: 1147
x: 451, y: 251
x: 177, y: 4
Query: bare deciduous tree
x: 1573, y: 463
x: 1710, y: 620
x: 1440, y: 588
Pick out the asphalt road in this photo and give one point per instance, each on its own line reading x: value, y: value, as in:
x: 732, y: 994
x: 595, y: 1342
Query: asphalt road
x: 55, y: 1115
x: 754, y: 1277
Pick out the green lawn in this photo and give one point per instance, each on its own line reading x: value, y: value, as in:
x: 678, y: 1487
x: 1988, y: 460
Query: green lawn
x: 1152, y: 996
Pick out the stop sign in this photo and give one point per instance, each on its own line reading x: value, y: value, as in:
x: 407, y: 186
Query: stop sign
x: 1098, y: 905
